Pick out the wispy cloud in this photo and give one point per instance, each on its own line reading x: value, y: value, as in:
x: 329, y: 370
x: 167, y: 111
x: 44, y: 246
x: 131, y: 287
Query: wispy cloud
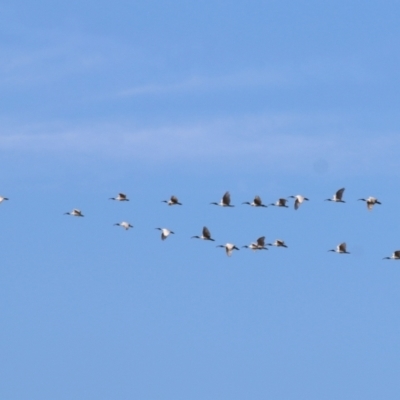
x: 289, y: 143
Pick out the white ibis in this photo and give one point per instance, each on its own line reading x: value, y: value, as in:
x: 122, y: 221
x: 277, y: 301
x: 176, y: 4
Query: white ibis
x: 120, y: 197
x: 124, y: 224
x: 280, y: 203
x: 277, y: 243
x: 165, y: 233
x: 229, y: 247
x: 371, y: 201
x: 172, y: 201
x: 225, y: 201
x: 337, y: 197
x: 259, y: 245
x: 257, y: 202
x: 206, y: 235
x: 340, y: 248
x: 394, y: 256
x: 75, y: 213
x: 299, y: 200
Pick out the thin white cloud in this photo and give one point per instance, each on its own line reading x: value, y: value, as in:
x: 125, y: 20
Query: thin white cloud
x: 285, y: 142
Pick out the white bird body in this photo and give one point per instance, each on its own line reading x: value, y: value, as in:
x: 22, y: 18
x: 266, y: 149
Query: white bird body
x: 371, y: 201
x: 340, y: 248
x: 75, y: 213
x: 120, y: 197
x: 337, y: 197
x: 299, y: 199
x: 225, y: 201
x: 2, y: 198
x: 124, y: 224
x: 394, y: 256
x: 229, y: 247
x: 165, y: 233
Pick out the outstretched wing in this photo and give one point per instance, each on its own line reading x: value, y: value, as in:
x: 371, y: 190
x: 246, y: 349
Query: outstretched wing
x: 339, y: 194
x: 261, y: 241
x: 226, y: 199
x: 257, y: 201
x: 206, y: 233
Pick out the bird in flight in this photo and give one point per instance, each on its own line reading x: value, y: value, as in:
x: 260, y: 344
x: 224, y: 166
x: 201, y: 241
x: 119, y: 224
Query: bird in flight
x: 206, y: 235
x: 394, y: 256
x: 120, y: 197
x: 280, y: 203
x: 75, y: 213
x: 340, y: 248
x: 165, y: 233
x: 225, y: 201
x: 124, y: 224
x: 299, y: 200
x: 229, y: 247
x: 172, y: 201
x: 259, y: 245
x: 257, y: 202
x: 337, y: 197
x: 371, y: 201
x: 277, y: 243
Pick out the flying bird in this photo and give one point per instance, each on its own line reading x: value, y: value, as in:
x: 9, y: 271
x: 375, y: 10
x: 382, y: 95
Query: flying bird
x: 277, y: 243
x: 75, y: 213
x: 371, y: 201
x: 337, y: 197
x: 225, y: 201
x: 394, y: 256
x: 257, y: 202
x: 340, y: 248
x: 2, y: 198
x: 205, y: 236
x: 229, y: 247
x: 120, y: 197
x: 259, y: 245
x: 172, y: 201
x: 280, y: 203
x: 165, y: 233
x: 299, y: 200
x: 124, y: 224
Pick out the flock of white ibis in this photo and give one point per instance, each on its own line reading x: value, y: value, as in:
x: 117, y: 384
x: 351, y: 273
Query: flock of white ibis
x: 259, y: 244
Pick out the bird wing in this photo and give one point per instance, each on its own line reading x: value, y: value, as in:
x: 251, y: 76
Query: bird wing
x: 296, y: 203
x: 339, y: 194
x: 397, y: 253
x: 174, y: 199
x: 257, y: 201
x: 342, y: 247
x: 282, y: 202
x: 226, y: 199
x: 261, y: 241
x: 122, y: 195
x: 370, y: 204
x: 206, y: 233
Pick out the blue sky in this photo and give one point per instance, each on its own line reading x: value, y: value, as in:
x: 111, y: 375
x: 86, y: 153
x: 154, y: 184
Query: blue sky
x: 157, y: 98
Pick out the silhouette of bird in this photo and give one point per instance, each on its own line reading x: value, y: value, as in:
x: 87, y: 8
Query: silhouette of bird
x: 120, y: 197
x: 259, y: 245
x: 256, y: 202
x: 205, y: 236
x: 280, y: 203
x: 172, y: 201
x: 340, y: 248
x: 225, y: 201
x: 337, y: 197
x: 394, y: 256
x: 75, y: 213
x: 277, y: 243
